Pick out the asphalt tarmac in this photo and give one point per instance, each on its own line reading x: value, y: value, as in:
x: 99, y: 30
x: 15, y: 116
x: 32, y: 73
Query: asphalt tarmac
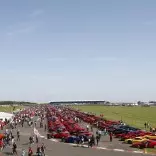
x: 61, y: 149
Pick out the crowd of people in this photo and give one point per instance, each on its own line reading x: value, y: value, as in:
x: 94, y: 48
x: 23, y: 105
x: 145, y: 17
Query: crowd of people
x: 11, y: 135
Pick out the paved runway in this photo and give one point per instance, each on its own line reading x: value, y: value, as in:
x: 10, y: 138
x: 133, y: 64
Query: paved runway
x: 60, y: 149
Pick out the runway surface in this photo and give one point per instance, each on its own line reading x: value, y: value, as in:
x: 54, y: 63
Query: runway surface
x: 54, y: 148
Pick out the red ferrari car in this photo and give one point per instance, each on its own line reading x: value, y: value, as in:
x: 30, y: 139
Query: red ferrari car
x: 145, y: 144
x: 59, y: 135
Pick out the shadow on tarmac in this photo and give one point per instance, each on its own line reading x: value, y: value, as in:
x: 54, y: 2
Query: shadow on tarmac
x: 8, y: 153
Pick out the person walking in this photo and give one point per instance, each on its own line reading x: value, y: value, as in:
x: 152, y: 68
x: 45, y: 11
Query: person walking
x: 23, y: 152
x: 91, y: 128
x: 45, y: 127
x: 110, y: 136
x: 82, y: 140
x: 12, y: 140
x: 30, y: 139
x: 18, y: 135
x: 97, y: 139
x: 14, y: 149
x: 35, y: 123
x: 87, y: 127
x: 36, y: 139
x: 38, y: 152
x: 1, y: 144
x: 30, y: 151
x: 43, y: 149
x: 145, y: 124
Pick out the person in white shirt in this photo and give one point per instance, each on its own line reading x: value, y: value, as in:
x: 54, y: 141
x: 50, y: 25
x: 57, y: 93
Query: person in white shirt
x: 23, y: 153
x: 87, y: 127
x: 12, y: 140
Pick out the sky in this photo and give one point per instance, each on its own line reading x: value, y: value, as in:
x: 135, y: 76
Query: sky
x: 77, y: 50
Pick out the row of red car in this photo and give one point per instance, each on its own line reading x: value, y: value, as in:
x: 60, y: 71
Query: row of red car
x: 61, y: 123
x: 136, y: 137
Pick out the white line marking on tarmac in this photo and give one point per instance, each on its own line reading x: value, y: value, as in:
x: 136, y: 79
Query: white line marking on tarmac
x: 71, y: 144
x: 86, y: 146
x: 101, y: 148
x: 41, y: 136
x: 119, y: 150
x: 54, y: 140
x: 137, y: 151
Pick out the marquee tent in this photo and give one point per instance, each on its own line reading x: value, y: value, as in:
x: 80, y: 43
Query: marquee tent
x: 4, y: 116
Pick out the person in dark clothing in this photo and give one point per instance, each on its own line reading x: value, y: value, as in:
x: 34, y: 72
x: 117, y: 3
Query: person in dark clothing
x: 97, y: 140
x: 36, y: 139
x: 91, y: 141
x: 18, y: 135
x: 91, y: 128
x: 14, y: 148
x: 45, y: 127
x: 31, y: 139
x: 77, y: 140
x: 22, y: 122
x: 38, y: 152
x: 8, y: 140
x: 43, y: 149
x: 145, y: 124
x: 110, y: 136
x: 35, y: 123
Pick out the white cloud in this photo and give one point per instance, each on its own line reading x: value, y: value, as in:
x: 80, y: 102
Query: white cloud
x: 36, y: 13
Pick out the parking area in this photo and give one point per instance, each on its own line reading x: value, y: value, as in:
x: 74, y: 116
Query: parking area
x: 55, y: 147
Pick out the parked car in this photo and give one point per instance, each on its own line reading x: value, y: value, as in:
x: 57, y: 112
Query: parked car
x: 59, y: 135
x: 145, y: 144
x: 72, y: 139
x: 135, y: 140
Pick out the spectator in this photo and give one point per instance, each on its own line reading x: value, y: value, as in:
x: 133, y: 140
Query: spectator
x: 23, y: 153
x: 38, y: 152
x: 45, y: 127
x: 43, y: 149
x: 36, y: 139
x: 1, y: 144
x: 14, y: 148
x: 150, y: 129
x: 111, y: 136
x: 18, y: 135
x: 97, y: 139
x: 82, y: 140
x: 145, y: 124
x: 12, y: 140
x: 30, y: 151
x: 87, y: 127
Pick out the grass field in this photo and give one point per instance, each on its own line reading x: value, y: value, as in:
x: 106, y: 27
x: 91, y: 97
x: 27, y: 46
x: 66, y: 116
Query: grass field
x: 151, y: 150
x: 135, y: 116
x: 9, y: 109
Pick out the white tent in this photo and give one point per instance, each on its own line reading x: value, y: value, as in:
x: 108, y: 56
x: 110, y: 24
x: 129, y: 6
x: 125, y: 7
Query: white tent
x: 4, y: 116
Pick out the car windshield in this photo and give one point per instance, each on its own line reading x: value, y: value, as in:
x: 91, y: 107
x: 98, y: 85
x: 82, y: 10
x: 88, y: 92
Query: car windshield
x: 138, y: 139
x: 145, y: 142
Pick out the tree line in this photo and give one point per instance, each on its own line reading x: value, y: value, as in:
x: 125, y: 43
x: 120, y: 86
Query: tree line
x: 16, y: 103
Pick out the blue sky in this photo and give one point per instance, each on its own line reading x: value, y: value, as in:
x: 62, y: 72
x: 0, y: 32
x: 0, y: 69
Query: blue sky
x: 77, y: 50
